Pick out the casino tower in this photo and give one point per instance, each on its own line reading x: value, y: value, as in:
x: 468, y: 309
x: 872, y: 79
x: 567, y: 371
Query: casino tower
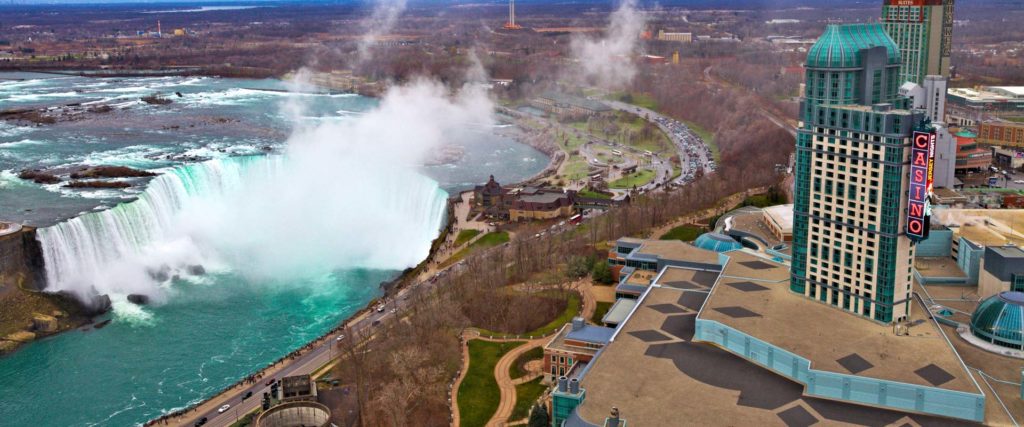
x: 855, y: 218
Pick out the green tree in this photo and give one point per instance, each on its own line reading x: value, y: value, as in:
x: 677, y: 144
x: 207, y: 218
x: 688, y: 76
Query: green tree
x: 539, y: 416
x: 579, y: 266
x: 601, y: 273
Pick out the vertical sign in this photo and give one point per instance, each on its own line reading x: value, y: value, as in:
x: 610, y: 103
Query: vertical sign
x: 922, y: 165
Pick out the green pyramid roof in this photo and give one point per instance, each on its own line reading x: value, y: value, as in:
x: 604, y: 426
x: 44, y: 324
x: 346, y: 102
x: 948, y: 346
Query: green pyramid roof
x: 840, y: 45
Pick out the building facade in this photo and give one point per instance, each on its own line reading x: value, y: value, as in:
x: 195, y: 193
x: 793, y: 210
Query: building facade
x: 1006, y: 134
x: 850, y: 249
x: 542, y: 204
x: 969, y: 156
x: 923, y: 30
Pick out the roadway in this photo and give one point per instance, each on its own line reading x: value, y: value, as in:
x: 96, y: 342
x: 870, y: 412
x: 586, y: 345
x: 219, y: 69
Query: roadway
x: 694, y: 152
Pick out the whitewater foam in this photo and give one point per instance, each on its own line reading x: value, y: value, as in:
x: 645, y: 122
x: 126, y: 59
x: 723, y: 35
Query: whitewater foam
x: 211, y: 213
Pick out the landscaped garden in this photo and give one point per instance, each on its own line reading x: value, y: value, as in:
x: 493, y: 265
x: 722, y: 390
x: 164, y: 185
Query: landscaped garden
x: 479, y: 394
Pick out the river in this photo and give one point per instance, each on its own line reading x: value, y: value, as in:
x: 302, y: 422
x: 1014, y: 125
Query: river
x: 208, y: 328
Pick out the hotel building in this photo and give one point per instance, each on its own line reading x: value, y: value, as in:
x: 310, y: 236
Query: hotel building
x: 923, y: 30
x: 852, y: 176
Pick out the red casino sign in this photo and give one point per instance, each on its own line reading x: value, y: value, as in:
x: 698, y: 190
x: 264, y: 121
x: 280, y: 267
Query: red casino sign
x: 922, y: 164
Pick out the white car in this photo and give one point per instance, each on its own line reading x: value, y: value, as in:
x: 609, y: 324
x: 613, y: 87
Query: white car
x: 1019, y: 181
x: 223, y: 409
x: 380, y: 308
x: 340, y: 337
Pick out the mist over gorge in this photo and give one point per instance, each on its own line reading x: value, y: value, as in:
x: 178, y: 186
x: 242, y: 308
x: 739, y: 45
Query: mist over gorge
x: 345, y: 194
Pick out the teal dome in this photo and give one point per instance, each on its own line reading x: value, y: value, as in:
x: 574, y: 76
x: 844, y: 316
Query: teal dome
x: 717, y: 242
x: 1000, y: 319
x: 840, y: 45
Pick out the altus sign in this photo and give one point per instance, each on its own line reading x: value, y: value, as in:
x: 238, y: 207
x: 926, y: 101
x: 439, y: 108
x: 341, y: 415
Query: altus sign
x: 922, y: 166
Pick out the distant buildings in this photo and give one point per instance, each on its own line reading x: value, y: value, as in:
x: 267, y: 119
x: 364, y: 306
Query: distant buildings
x: 675, y: 37
x: 969, y: 156
x: 532, y: 203
x: 970, y: 106
x: 576, y: 343
x: 851, y: 209
x: 564, y: 106
x: 527, y: 203
x: 923, y: 30
x: 1007, y: 134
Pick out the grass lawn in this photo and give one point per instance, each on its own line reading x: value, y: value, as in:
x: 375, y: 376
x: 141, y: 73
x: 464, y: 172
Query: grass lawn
x: 465, y: 236
x: 479, y: 394
x: 659, y: 143
x: 686, y: 233
x: 600, y: 311
x: 708, y: 137
x: 526, y: 396
x: 593, y: 194
x: 489, y: 240
x: 576, y: 169
x: 516, y: 370
x: 638, y: 178
x: 571, y: 310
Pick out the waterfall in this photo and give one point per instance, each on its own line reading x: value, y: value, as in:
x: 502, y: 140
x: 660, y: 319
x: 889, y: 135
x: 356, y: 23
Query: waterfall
x: 257, y: 215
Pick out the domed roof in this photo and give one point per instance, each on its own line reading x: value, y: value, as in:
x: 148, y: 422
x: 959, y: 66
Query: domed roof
x: 1000, y: 320
x: 840, y: 45
x: 716, y: 242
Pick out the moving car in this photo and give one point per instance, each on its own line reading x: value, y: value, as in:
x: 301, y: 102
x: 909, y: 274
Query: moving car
x: 340, y: 337
x: 223, y: 409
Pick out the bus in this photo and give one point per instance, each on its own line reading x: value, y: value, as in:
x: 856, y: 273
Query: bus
x: 576, y: 219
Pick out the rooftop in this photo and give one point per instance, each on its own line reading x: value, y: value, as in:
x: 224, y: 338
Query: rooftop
x: 986, y: 227
x: 716, y: 242
x: 544, y: 198
x: 935, y: 267
x: 619, y: 311
x: 588, y: 333
x: 675, y: 250
x: 767, y: 313
x: 782, y: 215
x: 840, y: 45
x: 701, y: 383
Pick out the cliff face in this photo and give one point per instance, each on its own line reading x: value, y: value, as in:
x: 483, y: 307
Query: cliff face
x: 21, y: 260
x: 26, y: 313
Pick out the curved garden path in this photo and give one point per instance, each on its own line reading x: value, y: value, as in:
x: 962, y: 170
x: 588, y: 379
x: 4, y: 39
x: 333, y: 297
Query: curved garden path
x: 506, y: 384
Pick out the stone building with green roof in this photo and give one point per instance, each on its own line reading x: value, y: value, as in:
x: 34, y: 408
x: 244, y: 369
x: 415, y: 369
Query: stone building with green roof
x: 849, y: 246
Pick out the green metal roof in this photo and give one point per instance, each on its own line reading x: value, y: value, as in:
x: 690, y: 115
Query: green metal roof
x: 717, y: 242
x: 966, y: 134
x: 1000, y: 320
x: 840, y: 45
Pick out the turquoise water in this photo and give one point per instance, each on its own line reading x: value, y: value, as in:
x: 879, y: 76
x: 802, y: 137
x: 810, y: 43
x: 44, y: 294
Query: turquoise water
x: 213, y: 329
x: 205, y: 338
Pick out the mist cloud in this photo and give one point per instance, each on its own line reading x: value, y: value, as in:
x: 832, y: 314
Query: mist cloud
x: 608, y: 61
x: 380, y: 22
